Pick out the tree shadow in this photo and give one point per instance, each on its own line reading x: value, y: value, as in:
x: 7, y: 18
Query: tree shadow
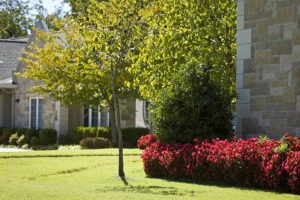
x: 157, y: 190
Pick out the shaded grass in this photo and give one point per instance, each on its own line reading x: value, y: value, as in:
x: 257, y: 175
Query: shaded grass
x: 91, y: 174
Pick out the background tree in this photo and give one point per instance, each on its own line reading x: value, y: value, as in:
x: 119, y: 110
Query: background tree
x: 85, y: 63
x: 182, y: 37
x: 14, y: 18
x: 17, y: 17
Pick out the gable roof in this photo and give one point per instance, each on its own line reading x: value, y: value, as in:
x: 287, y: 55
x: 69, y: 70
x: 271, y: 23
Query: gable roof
x: 10, y: 52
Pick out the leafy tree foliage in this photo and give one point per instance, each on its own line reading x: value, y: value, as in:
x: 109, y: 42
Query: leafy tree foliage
x: 188, y: 100
x: 14, y: 20
x: 17, y: 17
x: 193, y: 106
x: 182, y: 32
x: 85, y: 63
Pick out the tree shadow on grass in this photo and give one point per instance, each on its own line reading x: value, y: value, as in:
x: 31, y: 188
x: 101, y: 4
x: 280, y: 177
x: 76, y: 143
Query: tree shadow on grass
x: 157, y: 190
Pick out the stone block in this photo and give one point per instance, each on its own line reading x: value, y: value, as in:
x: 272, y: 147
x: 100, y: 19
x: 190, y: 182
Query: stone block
x: 288, y: 106
x: 249, y: 66
x: 285, y: 14
x: 298, y: 103
x: 260, y: 88
x: 294, y: 119
x: 278, y: 125
x: 250, y: 80
x: 279, y: 83
x: 281, y: 47
x: 244, y: 96
x: 240, y: 23
x: 239, y: 66
x: 239, y: 81
x: 250, y: 125
x: 296, y: 37
x: 288, y: 30
x: 296, y: 70
x: 240, y: 7
x: 258, y: 103
x: 262, y: 27
x: 277, y: 91
x: 244, y: 36
x: 263, y: 57
x: 296, y: 53
x: 243, y: 110
x: 285, y: 67
x: 274, y: 115
x: 289, y: 95
x: 244, y: 51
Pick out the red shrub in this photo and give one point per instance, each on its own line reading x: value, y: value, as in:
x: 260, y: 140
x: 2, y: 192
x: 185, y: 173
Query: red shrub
x: 146, y: 141
x: 244, y: 162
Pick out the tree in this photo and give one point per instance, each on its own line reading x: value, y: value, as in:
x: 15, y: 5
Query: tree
x: 184, y: 32
x: 17, y: 17
x: 182, y: 37
x: 14, y: 18
x: 85, y: 63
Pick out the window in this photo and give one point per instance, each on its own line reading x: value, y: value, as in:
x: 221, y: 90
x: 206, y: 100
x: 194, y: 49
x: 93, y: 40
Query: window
x: 94, y: 117
x: 35, y: 113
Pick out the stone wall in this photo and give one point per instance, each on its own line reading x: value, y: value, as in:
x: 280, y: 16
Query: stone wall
x: 268, y: 68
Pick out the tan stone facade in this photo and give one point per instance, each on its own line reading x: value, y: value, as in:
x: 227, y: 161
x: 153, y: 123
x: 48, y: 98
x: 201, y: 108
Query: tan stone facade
x: 268, y: 68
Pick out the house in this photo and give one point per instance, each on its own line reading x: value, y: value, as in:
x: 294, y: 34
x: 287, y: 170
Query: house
x: 268, y: 68
x: 21, y: 108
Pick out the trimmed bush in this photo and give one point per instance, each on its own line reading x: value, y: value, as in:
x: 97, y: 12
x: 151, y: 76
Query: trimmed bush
x: 28, y: 132
x: 95, y: 143
x: 131, y: 136
x: 146, y: 141
x: 81, y: 132
x: 249, y: 162
x: 47, y: 136
x: 6, y: 133
x: 34, y: 141
x: 13, y: 139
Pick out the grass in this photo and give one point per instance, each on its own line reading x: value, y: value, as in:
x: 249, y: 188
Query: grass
x: 91, y: 174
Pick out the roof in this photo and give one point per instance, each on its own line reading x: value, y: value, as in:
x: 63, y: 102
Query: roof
x: 10, y: 52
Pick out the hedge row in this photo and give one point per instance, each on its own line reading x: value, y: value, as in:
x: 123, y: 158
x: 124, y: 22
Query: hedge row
x: 270, y: 164
x: 130, y: 135
x: 28, y: 137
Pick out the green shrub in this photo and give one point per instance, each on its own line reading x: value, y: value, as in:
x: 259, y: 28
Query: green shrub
x: 28, y: 132
x: 95, y: 143
x: 47, y: 136
x: 131, y: 136
x: 22, y: 140
x: 6, y: 133
x: 81, y: 132
x: 13, y: 139
x: 194, y: 105
x: 34, y: 141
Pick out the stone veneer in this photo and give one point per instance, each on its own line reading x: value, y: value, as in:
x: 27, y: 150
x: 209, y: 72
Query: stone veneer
x: 268, y: 68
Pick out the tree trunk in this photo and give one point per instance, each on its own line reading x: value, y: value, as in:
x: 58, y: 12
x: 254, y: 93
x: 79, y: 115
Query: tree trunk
x: 113, y: 128
x: 118, y: 124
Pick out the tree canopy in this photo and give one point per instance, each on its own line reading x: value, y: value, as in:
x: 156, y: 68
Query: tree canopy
x: 85, y: 62
x: 185, y: 33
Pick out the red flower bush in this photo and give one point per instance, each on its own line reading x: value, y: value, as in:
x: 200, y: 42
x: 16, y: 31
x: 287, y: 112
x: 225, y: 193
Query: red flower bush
x: 263, y: 164
x: 146, y: 141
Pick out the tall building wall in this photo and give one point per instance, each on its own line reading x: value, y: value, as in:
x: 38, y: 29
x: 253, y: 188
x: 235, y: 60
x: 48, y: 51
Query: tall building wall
x: 268, y: 68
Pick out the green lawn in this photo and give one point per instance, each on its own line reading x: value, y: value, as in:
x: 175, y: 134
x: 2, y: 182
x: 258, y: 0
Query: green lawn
x: 91, y: 174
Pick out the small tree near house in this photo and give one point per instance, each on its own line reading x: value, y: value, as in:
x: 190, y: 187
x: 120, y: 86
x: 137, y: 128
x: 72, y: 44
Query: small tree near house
x: 85, y: 63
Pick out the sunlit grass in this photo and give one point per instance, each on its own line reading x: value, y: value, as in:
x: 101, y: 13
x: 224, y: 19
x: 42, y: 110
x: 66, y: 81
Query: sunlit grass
x: 92, y: 174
